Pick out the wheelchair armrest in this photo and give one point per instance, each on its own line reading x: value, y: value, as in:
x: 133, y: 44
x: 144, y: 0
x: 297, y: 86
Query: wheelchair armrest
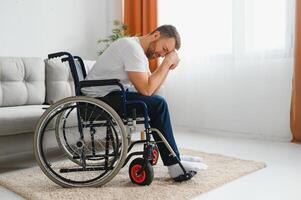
x: 93, y: 83
x: 105, y: 82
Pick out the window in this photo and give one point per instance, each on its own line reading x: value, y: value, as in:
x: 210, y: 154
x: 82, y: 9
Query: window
x: 235, y: 28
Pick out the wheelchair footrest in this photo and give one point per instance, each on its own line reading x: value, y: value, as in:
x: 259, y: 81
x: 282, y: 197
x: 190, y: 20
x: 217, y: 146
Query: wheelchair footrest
x: 185, y: 177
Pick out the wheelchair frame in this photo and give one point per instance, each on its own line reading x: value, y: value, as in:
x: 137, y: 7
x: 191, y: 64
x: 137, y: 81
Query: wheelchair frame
x: 79, y: 73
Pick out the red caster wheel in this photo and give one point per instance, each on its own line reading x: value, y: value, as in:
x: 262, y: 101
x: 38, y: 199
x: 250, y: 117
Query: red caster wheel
x: 155, y: 156
x: 141, y: 176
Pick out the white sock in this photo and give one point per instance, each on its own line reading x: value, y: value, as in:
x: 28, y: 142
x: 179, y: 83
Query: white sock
x: 191, y: 158
x: 175, y: 170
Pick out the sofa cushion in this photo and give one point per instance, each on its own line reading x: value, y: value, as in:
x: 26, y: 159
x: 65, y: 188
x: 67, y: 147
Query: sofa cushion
x: 19, y: 119
x: 22, y: 81
x: 59, y: 81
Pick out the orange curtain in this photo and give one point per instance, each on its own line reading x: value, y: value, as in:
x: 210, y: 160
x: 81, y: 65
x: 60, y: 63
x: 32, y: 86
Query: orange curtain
x: 296, y: 84
x: 142, y: 18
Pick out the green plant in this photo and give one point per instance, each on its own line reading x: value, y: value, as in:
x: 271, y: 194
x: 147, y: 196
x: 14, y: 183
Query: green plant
x: 119, y: 31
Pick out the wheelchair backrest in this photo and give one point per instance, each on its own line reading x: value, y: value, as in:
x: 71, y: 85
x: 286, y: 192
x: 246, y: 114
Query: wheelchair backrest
x: 77, y: 68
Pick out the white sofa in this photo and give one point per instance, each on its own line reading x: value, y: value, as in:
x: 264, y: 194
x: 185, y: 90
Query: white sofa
x: 27, y: 85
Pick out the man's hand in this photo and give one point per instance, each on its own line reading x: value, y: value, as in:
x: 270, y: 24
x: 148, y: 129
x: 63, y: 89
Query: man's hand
x: 174, y: 65
x: 172, y: 59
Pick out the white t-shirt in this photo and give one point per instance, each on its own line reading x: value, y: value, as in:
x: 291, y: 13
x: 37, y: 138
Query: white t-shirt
x: 123, y: 55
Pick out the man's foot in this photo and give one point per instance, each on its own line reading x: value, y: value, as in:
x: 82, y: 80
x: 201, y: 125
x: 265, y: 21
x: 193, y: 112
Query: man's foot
x: 191, y: 158
x: 175, y: 170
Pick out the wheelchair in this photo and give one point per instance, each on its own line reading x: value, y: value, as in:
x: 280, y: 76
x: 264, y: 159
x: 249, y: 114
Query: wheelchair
x: 81, y: 141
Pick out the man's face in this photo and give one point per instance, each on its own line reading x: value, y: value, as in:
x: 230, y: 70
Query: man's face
x: 160, y: 47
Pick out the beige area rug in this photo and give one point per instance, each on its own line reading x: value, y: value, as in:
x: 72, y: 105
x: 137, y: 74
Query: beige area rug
x: 31, y: 183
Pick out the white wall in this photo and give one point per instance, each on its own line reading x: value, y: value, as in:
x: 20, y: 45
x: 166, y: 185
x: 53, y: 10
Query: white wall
x: 39, y: 27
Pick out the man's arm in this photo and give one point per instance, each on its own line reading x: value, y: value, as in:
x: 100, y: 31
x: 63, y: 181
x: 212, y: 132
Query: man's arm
x: 145, y: 83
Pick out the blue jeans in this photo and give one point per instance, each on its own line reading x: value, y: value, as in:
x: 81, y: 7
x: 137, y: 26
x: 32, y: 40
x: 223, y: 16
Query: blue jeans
x: 159, y: 118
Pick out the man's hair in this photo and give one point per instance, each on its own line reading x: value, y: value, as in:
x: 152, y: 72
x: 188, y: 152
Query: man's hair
x: 169, y: 31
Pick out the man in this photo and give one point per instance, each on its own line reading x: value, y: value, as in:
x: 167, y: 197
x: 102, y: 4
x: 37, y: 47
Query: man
x: 127, y: 59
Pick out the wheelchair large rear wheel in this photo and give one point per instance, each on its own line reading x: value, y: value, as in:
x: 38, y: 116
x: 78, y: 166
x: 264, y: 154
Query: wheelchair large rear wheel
x: 62, y: 127
x: 80, y: 141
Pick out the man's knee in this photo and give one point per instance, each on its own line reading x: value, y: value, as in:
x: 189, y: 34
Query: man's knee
x: 159, y: 99
x: 160, y: 102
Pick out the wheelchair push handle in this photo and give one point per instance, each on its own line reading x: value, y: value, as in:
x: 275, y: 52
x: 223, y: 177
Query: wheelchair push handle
x: 59, y: 54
